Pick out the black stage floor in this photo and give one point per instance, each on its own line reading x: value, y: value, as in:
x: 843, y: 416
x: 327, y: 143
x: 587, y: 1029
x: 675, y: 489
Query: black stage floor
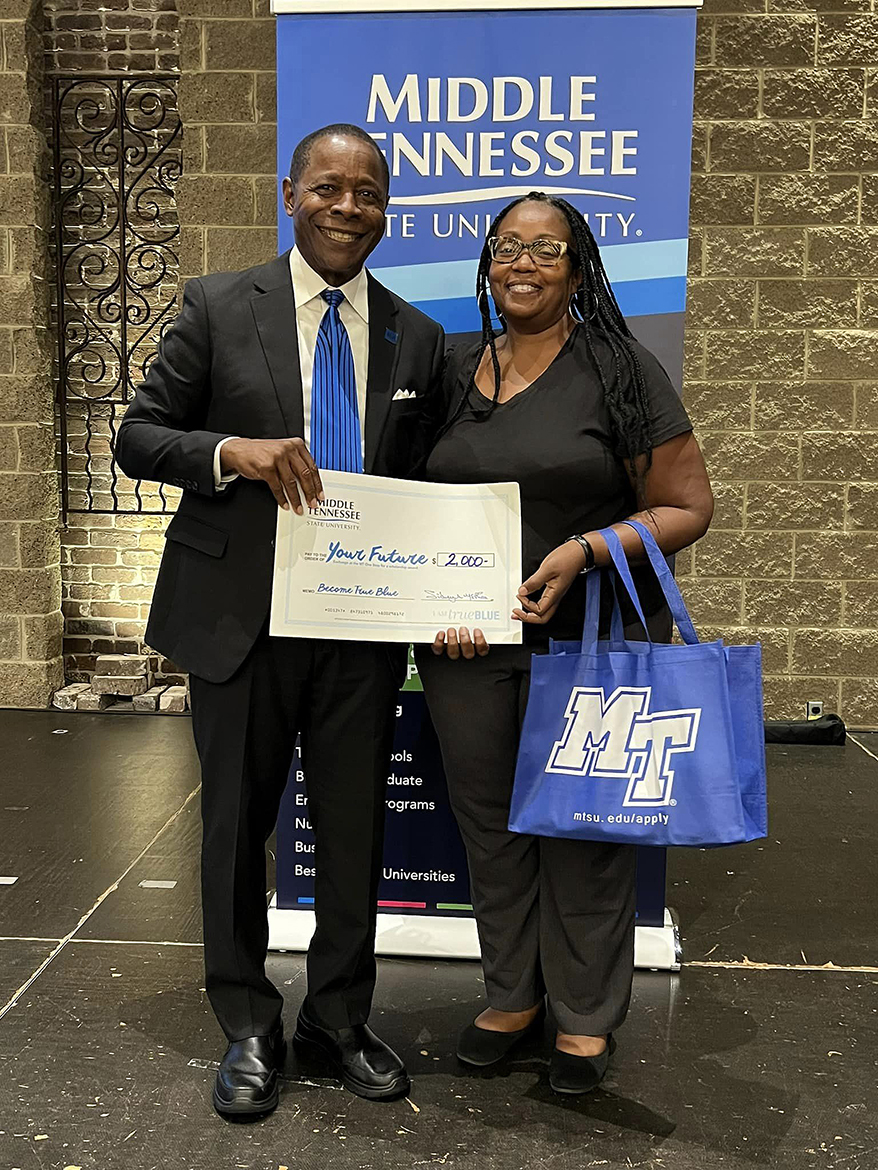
x: 761, y: 1052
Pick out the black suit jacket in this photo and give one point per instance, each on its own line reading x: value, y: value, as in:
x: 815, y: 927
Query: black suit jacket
x: 229, y: 365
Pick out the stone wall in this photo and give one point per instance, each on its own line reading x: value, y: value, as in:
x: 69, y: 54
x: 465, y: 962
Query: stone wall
x: 781, y: 372
x: 781, y: 359
x: 228, y: 195
x: 782, y: 348
x: 30, y: 619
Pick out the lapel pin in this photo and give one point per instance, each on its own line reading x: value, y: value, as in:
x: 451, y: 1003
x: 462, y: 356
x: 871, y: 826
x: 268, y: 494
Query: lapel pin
x: 390, y: 336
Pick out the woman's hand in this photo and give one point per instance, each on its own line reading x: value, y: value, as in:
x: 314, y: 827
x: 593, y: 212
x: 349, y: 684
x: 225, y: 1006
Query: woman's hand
x: 554, y: 576
x: 459, y: 642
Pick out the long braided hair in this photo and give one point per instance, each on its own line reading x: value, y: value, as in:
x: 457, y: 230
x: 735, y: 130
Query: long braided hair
x: 593, y: 305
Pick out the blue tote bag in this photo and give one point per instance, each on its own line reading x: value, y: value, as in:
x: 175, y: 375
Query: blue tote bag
x: 639, y: 742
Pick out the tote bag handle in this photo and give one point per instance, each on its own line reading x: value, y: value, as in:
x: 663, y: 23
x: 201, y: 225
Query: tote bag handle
x: 670, y: 589
x: 593, y: 609
x: 596, y: 583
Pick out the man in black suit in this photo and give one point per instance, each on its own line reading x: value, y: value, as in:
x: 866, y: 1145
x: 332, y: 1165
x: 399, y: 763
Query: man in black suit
x: 225, y: 413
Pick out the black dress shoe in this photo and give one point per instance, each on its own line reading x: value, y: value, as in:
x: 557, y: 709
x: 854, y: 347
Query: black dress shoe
x: 247, y: 1081
x: 481, y: 1048
x: 573, y: 1075
x: 364, y: 1063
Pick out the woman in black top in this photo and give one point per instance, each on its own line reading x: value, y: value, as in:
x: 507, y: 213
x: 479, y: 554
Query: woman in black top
x: 568, y: 404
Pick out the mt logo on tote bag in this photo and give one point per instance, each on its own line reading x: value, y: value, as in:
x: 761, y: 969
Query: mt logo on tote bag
x: 618, y: 737
x: 639, y: 742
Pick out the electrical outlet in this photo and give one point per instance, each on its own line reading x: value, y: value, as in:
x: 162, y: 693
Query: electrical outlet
x: 813, y: 709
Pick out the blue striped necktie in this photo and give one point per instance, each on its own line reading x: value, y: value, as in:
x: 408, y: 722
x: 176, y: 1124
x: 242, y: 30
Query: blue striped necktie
x: 335, y: 413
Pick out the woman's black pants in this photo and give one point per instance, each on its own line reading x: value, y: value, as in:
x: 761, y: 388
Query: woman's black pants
x: 554, y: 916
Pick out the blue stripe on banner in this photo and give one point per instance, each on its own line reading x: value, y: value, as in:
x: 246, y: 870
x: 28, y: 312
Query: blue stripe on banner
x: 457, y: 278
x: 637, y: 298
x: 460, y: 315
x: 645, y: 298
x: 654, y: 260
x: 305, y: 901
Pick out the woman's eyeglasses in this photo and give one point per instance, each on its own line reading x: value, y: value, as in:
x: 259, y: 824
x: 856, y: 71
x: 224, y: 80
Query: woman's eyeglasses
x: 507, y: 249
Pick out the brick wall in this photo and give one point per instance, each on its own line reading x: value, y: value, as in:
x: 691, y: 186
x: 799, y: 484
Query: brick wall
x: 780, y: 366
x: 110, y: 562
x: 122, y: 36
x: 782, y: 348
x: 30, y: 621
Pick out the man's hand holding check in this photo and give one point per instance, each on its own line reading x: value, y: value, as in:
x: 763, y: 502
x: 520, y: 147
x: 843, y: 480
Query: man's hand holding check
x: 284, y: 464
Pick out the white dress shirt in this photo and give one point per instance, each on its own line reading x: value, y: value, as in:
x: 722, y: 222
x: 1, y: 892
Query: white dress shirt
x: 310, y: 309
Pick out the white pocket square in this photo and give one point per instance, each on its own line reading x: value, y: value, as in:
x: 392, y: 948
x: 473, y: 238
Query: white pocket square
x: 401, y: 394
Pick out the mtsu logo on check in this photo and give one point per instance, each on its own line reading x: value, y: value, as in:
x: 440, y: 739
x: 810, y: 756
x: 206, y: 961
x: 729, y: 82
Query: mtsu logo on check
x: 619, y: 738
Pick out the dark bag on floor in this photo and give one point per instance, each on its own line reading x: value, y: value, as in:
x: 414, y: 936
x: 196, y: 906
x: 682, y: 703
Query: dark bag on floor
x: 828, y: 729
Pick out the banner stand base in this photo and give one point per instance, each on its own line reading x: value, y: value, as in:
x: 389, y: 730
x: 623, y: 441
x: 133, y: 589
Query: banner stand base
x: 425, y: 937
x: 658, y: 948
x: 416, y: 936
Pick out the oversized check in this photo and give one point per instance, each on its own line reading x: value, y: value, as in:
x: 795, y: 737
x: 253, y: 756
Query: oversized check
x: 393, y: 560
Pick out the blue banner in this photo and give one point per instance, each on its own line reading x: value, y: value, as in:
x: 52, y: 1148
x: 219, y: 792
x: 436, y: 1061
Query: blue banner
x: 472, y: 109
x: 595, y: 106
x: 425, y: 868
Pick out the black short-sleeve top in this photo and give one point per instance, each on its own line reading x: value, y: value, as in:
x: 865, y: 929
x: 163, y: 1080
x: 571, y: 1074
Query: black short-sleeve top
x: 555, y: 440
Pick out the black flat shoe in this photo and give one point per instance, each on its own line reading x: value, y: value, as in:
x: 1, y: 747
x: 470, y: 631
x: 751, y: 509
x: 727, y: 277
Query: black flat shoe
x: 365, y: 1064
x: 247, y: 1081
x: 480, y: 1048
x: 579, y: 1074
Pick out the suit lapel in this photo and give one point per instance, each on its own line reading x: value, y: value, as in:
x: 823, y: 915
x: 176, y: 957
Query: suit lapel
x: 274, y: 311
x: 385, y: 341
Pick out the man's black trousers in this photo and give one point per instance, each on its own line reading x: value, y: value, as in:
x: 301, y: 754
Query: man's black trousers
x: 341, y: 697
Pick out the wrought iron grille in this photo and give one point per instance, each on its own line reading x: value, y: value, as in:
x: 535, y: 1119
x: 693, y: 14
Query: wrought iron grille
x: 117, y: 158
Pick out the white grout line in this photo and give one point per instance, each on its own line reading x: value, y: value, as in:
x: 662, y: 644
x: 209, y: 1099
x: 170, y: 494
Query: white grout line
x: 748, y: 965
x: 26, y: 938
x: 7, y: 1007
x: 732, y: 965
x: 131, y: 942
x: 862, y: 747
